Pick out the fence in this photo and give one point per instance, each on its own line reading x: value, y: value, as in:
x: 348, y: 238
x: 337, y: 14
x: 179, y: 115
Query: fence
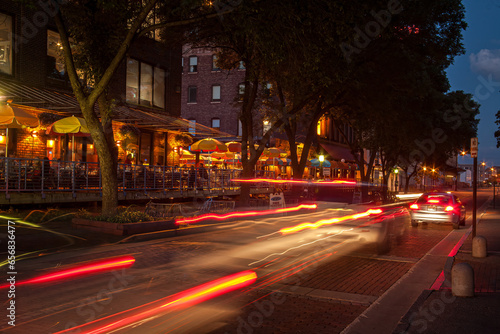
x: 43, y: 175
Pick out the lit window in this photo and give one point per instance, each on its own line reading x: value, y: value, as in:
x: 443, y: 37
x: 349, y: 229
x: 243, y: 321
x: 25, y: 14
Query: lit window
x: 192, y: 94
x: 192, y: 127
x: 241, y: 65
x: 145, y: 84
x: 132, y: 90
x: 5, y: 44
x: 55, y: 66
x: 241, y: 91
x: 216, y: 93
x: 215, y: 67
x: 318, y: 128
x: 266, y: 126
x: 193, y: 64
x: 240, y: 128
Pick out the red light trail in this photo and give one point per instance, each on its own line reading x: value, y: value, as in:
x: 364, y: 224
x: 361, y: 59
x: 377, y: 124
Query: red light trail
x: 334, y: 182
x: 109, y: 264
x: 244, y: 214
x: 182, y: 299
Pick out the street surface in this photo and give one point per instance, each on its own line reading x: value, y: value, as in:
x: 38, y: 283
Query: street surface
x: 307, y: 282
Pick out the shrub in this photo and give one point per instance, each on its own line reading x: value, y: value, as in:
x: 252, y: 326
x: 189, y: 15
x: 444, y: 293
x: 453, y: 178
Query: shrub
x: 122, y: 217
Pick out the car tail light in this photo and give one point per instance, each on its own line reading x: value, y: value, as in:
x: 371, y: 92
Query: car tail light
x: 449, y: 208
x: 414, y: 206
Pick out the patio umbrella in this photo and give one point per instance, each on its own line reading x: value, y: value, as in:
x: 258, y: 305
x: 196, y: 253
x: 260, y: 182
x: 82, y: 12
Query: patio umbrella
x: 207, y: 144
x: 76, y: 126
x: 13, y: 117
x: 316, y: 163
x: 233, y: 146
x: 223, y: 155
x: 273, y: 152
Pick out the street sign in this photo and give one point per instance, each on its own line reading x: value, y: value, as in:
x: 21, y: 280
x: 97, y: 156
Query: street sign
x: 276, y: 201
x: 473, y: 147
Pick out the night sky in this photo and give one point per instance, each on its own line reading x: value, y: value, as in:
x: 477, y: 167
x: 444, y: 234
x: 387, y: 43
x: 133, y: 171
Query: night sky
x: 478, y: 72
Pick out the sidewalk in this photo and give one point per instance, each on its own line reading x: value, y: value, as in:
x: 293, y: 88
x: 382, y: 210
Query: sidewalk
x: 438, y: 311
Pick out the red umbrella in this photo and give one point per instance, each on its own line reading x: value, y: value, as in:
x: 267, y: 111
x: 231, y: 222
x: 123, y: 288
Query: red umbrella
x: 234, y: 146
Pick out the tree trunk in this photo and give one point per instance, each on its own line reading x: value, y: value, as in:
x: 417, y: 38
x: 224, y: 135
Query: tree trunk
x: 248, y: 172
x: 106, y: 150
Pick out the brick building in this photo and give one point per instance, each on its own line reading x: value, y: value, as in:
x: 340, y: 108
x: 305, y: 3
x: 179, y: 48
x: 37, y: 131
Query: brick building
x: 146, y: 86
x: 210, y: 96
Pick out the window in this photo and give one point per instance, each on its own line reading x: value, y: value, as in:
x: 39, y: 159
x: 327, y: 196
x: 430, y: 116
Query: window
x: 145, y: 84
x: 193, y: 64
x: 267, y: 90
x: 216, y: 93
x: 192, y: 126
x: 241, y: 91
x: 216, y: 123
x: 266, y: 125
x: 240, y: 128
x: 55, y: 66
x: 159, y: 88
x: 192, y: 94
x: 5, y: 44
x: 241, y: 65
x: 132, y: 90
x: 215, y: 67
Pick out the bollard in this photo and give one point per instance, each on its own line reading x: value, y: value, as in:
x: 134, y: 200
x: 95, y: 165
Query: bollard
x: 462, y: 280
x: 479, y: 248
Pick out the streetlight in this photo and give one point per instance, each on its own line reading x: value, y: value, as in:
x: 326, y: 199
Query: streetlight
x: 321, y: 159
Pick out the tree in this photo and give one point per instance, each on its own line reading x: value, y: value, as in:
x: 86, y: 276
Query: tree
x: 96, y: 36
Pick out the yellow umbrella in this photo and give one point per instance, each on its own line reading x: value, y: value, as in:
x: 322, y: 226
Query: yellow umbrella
x: 72, y: 125
x: 13, y: 117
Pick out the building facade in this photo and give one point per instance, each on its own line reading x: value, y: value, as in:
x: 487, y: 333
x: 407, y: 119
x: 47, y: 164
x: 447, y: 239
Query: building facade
x: 146, y: 88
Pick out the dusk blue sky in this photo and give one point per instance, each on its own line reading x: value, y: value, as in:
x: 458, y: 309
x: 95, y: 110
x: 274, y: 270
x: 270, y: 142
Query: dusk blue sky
x: 478, y: 72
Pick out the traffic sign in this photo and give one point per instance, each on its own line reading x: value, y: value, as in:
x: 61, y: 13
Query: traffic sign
x: 473, y: 147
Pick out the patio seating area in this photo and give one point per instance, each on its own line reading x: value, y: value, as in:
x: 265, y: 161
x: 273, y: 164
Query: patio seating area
x: 23, y: 176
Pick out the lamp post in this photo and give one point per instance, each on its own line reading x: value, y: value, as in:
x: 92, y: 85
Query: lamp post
x: 321, y: 159
x: 396, y: 181
x: 423, y: 178
x: 433, y: 178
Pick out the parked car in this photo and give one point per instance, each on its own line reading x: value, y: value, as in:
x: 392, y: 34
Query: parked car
x: 438, y: 207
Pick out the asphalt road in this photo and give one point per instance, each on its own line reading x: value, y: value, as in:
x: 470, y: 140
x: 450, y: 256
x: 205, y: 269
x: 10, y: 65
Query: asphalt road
x: 299, y: 276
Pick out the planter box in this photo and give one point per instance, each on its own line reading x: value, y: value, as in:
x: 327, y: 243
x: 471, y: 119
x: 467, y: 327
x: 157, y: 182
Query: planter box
x: 123, y: 229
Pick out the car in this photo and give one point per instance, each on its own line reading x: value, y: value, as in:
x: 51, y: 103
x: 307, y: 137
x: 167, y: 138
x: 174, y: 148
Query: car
x: 438, y: 207
x: 382, y: 226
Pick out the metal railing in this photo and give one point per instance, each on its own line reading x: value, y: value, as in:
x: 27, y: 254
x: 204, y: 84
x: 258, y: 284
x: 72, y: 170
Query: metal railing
x: 42, y: 175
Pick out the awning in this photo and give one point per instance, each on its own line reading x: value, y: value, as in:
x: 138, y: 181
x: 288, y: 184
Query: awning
x: 338, y: 152
x: 65, y: 104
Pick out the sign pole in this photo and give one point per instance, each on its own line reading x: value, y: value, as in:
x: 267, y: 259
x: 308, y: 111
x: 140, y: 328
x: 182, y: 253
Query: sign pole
x: 474, y: 198
x: 494, y: 193
x: 473, y: 150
